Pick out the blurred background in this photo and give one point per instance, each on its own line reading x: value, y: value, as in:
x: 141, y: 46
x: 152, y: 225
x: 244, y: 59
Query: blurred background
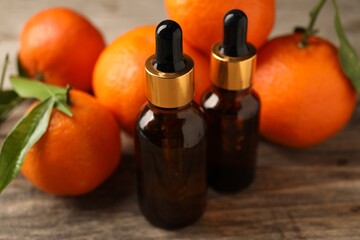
x: 114, y: 17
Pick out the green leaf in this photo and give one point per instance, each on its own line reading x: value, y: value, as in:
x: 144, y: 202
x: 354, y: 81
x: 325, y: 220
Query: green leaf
x: 27, y: 88
x: 8, y: 100
x: 21, y: 138
x: 349, y: 59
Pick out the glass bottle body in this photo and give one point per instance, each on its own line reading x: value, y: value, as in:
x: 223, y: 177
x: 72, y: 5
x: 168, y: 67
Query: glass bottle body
x: 233, y: 123
x: 170, y: 149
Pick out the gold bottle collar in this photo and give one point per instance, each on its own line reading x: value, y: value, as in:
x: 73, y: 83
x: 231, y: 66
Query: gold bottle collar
x: 169, y: 90
x: 232, y: 73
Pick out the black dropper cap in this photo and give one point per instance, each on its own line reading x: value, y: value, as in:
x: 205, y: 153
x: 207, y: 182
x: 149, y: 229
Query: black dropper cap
x: 169, y: 72
x: 169, y: 51
x: 233, y: 60
x: 234, y: 39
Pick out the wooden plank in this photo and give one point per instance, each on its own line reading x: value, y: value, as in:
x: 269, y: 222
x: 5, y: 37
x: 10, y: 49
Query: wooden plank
x: 298, y: 194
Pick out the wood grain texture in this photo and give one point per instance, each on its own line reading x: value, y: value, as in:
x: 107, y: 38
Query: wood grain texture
x: 307, y: 194
x: 298, y: 194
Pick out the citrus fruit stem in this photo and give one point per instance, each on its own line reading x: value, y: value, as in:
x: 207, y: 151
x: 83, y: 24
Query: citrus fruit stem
x: 310, y: 28
x: 39, y: 76
x: 68, y: 99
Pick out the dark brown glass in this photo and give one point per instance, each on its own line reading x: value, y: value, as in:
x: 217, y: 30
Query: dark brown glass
x: 170, y: 149
x: 233, y: 122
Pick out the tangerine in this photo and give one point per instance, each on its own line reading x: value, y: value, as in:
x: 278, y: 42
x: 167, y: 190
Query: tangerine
x: 305, y: 96
x: 201, y: 20
x: 76, y: 154
x: 119, y: 74
x: 60, y: 46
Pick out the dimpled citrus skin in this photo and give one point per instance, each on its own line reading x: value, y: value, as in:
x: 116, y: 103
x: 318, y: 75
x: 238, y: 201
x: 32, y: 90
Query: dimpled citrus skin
x: 59, y: 46
x: 202, y: 20
x: 305, y: 96
x: 77, y: 153
x: 119, y: 75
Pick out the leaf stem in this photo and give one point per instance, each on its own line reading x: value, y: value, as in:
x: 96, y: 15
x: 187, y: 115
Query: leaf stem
x: 6, y: 62
x: 310, y: 28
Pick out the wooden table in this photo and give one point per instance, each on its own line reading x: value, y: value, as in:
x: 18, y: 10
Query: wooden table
x: 298, y: 194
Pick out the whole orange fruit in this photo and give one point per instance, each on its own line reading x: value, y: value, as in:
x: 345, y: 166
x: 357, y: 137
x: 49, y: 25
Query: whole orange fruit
x: 59, y: 46
x: 77, y: 153
x: 202, y: 20
x: 119, y: 74
x: 305, y: 96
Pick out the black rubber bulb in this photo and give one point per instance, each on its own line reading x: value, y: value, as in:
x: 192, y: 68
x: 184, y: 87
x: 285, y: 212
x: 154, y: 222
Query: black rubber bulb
x: 234, y: 39
x: 169, y: 49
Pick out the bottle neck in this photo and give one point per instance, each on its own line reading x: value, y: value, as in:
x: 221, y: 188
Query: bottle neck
x: 232, y: 95
x: 161, y: 110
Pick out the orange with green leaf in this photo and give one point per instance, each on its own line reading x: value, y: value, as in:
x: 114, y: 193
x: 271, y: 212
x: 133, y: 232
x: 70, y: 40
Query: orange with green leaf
x: 306, y: 85
x: 68, y: 143
x: 69, y: 150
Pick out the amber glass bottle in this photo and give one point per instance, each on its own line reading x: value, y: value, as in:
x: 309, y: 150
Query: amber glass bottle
x: 170, y: 140
x: 232, y: 109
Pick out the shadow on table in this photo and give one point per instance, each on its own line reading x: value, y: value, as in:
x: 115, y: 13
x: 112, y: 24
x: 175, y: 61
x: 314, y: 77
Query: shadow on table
x: 340, y: 150
x: 119, y: 188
